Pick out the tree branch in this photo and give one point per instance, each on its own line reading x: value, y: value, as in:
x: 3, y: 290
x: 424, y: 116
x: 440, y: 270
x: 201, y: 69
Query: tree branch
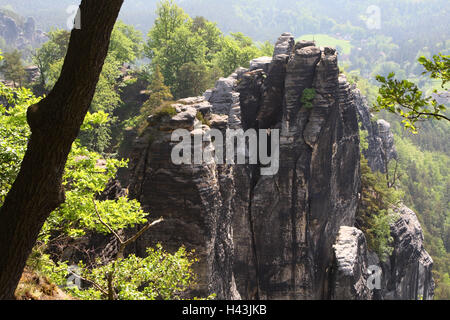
x: 123, y: 245
x: 90, y: 281
x: 55, y: 123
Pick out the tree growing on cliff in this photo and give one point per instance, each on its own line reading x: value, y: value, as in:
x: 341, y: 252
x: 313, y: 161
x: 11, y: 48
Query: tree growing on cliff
x: 194, y: 79
x: 375, y: 214
x: 404, y: 98
x: 55, y: 123
x: 171, y: 42
x: 210, y: 33
x: 308, y: 96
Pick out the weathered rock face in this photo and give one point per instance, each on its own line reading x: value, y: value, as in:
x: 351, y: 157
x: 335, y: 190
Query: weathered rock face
x: 282, y: 236
x: 191, y: 200
x: 20, y: 34
x: 407, y: 273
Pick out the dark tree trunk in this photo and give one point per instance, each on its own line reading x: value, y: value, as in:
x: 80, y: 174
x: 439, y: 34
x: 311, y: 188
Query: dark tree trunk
x: 55, y: 123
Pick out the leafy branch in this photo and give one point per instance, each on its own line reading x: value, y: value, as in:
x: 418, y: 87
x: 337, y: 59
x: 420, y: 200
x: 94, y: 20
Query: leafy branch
x: 404, y: 98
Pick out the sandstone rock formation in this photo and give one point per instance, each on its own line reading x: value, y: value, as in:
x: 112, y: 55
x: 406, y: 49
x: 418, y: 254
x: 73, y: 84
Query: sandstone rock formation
x: 285, y: 236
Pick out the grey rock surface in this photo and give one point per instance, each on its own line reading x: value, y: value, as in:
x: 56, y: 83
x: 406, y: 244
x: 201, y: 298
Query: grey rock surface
x: 350, y: 273
x: 20, y: 34
x: 380, y: 138
x: 285, y: 236
x: 284, y: 44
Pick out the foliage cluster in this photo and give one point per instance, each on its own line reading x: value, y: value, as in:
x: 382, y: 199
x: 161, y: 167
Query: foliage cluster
x: 13, y: 69
x: 192, y: 53
x: 404, y: 97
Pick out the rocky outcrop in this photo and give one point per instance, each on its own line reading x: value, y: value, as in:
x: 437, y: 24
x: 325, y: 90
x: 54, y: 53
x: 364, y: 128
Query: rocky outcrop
x: 407, y: 273
x: 350, y: 272
x: 294, y: 216
x: 381, y: 148
x: 189, y: 197
x: 288, y: 235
